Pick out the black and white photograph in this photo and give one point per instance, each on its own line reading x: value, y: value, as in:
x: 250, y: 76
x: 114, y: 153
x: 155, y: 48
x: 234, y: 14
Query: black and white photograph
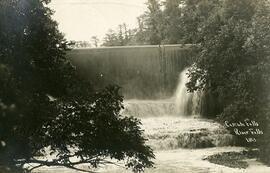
x: 134, y: 86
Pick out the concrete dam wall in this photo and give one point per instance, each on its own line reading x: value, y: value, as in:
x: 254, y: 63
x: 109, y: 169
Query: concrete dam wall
x: 143, y: 72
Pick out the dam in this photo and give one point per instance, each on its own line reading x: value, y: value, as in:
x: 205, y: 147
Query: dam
x: 143, y: 72
x: 148, y: 72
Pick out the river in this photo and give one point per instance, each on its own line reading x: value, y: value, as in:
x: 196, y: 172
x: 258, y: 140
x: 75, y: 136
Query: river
x: 180, y: 137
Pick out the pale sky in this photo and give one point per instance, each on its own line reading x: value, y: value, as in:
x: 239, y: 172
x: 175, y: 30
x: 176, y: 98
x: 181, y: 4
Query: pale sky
x: 81, y: 19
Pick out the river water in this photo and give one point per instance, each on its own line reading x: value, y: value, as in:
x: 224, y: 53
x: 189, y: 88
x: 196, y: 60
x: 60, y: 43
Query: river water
x: 180, y: 137
x: 180, y: 143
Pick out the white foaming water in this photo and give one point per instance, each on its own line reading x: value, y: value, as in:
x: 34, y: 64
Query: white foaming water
x: 182, y: 103
x: 186, y: 103
x: 167, y: 125
x: 149, y: 108
x: 166, y: 133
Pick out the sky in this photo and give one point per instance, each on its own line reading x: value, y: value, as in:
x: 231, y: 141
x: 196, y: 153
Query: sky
x: 81, y: 19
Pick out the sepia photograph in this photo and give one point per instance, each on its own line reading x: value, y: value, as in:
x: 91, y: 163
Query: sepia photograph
x: 134, y: 86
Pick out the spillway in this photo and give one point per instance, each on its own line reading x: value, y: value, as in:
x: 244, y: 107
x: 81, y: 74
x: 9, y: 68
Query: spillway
x: 143, y: 72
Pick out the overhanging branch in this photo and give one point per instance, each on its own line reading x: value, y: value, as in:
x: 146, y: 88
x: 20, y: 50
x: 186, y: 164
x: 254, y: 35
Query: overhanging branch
x: 70, y: 165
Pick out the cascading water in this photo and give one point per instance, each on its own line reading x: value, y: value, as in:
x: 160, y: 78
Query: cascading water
x: 183, y: 103
x: 186, y: 103
x: 167, y: 125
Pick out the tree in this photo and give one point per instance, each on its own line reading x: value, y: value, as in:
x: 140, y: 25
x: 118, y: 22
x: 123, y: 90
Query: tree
x: 140, y: 33
x: 179, y: 22
x: 154, y: 22
x: 95, y: 40
x: 150, y: 23
x: 120, y: 37
x: 46, y: 108
x: 111, y: 38
x: 172, y: 21
x: 194, y: 14
x: 127, y: 34
x: 233, y: 62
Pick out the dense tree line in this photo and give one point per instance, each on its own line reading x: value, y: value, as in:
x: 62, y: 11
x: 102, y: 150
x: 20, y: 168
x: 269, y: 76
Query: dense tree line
x: 47, y: 109
x: 233, y: 61
x: 161, y: 23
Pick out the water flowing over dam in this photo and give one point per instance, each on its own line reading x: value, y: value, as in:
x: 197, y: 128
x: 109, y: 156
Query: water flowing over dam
x: 144, y: 72
x: 186, y: 103
x: 182, y: 103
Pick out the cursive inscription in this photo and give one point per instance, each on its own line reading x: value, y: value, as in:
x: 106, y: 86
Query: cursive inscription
x: 250, y: 129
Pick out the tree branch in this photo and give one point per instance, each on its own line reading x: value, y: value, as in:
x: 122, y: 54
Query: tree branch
x: 78, y: 169
x: 113, y: 163
x: 54, y: 163
x: 70, y: 165
x: 35, y: 167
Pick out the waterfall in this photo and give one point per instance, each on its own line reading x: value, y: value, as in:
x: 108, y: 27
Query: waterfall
x: 186, y: 103
x: 181, y: 104
x: 166, y: 127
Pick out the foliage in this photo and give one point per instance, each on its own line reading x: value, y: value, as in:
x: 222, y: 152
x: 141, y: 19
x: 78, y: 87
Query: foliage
x: 80, y: 44
x: 154, y: 22
x: 45, y: 107
x: 172, y: 21
x: 194, y: 14
x: 233, y: 61
x: 95, y: 40
x: 149, y: 31
x: 121, y: 37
